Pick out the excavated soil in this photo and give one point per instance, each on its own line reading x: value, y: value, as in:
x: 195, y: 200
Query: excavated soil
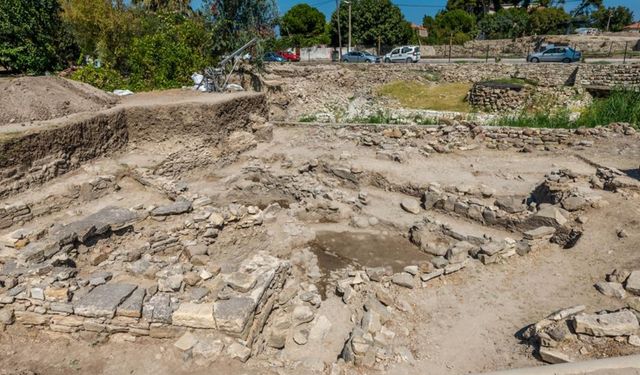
x: 399, y: 250
x: 27, y: 99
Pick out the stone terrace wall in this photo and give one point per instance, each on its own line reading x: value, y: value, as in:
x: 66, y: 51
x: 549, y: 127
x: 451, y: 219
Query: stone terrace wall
x: 609, y: 75
x: 522, y: 46
x: 496, y: 97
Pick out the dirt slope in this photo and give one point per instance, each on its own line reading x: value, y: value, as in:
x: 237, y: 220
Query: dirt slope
x: 26, y: 99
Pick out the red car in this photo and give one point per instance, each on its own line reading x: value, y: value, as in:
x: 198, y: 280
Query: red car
x: 290, y: 56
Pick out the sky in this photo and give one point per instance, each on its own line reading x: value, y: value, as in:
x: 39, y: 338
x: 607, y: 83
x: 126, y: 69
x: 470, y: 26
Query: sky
x: 414, y: 10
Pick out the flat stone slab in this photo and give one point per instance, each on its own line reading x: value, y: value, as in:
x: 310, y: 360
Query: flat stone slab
x: 132, y: 306
x: 103, y: 300
x: 633, y: 283
x: 158, y: 309
x: 622, y: 323
x: 233, y: 315
x: 553, y: 357
x: 176, y: 208
x: 403, y: 279
x: 540, y: 232
x: 611, y: 289
x: 108, y: 218
x: 194, y: 315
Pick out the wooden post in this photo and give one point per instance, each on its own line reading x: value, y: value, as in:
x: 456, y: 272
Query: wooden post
x: 486, y: 57
x: 450, y: 45
x: 626, y: 44
x: 379, y: 45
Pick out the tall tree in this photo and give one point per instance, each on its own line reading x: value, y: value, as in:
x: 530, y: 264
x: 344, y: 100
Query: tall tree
x: 32, y: 35
x: 586, y: 7
x: 156, y: 5
x: 612, y: 19
x: 372, y: 21
x: 236, y: 21
x: 303, y: 20
x: 548, y: 21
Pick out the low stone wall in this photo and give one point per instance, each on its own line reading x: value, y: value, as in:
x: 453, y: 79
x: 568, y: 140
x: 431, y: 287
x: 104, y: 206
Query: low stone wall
x: 494, y: 97
x: 596, y: 44
x: 609, y: 75
x: 20, y: 212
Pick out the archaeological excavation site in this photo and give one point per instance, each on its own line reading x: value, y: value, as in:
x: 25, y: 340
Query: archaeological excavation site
x: 328, y: 219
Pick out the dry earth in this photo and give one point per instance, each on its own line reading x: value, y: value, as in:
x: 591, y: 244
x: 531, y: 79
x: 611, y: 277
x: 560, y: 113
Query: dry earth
x: 342, y: 218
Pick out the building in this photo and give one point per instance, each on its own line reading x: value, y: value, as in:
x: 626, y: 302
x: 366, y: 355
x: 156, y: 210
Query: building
x: 634, y: 28
x: 421, y: 30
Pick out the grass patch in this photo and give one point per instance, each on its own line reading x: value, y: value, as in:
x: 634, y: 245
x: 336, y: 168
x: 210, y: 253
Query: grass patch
x: 308, y: 118
x: 620, y: 106
x: 441, y: 97
x: 536, y: 120
x: 514, y: 81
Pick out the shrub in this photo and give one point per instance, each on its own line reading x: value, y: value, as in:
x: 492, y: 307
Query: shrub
x: 105, y: 78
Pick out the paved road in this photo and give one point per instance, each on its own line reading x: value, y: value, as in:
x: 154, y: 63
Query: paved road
x: 429, y: 60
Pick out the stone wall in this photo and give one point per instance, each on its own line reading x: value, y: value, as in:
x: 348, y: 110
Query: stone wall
x: 609, y: 75
x: 600, y: 45
x: 494, y: 97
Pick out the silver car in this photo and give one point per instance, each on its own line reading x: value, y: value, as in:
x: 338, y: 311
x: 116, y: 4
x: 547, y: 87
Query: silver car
x: 555, y: 54
x: 404, y: 54
x: 357, y: 56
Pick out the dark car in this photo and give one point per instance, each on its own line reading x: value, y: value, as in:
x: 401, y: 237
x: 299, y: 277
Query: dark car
x: 358, y: 56
x: 273, y: 57
x: 555, y: 54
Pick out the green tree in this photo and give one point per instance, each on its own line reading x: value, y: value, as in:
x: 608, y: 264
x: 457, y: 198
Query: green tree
x: 171, y: 48
x: 372, y: 21
x: 304, y: 26
x: 612, y: 19
x: 182, y: 6
x: 457, y: 26
x: 586, y: 7
x: 548, y: 21
x: 303, y: 20
x: 32, y: 36
x: 506, y: 23
x: 234, y: 22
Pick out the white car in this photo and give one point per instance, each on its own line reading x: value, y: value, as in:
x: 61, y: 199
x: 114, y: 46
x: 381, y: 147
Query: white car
x: 405, y: 54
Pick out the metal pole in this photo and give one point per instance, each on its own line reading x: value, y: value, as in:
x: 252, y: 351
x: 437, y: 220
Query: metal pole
x: 339, y: 31
x: 626, y: 44
x: 349, y: 26
x: 450, y: 44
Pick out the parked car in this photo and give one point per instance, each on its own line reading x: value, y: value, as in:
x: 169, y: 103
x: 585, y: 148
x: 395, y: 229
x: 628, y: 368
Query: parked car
x: 273, y: 57
x: 358, y: 56
x: 406, y: 54
x: 555, y: 54
x: 290, y: 56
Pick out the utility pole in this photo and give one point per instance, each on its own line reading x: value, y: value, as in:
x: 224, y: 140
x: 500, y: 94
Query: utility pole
x: 339, y: 32
x: 609, y: 20
x: 349, y: 48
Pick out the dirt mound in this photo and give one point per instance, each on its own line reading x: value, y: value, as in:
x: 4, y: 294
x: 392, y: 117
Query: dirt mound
x: 43, y: 98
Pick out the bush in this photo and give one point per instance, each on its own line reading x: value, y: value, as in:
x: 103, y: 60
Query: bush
x: 171, y: 49
x: 105, y: 78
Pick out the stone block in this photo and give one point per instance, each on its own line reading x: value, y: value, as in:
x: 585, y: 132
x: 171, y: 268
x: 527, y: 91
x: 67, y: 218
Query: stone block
x: 194, y: 316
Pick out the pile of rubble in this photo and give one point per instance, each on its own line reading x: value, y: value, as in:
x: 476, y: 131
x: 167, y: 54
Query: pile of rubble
x: 568, y: 334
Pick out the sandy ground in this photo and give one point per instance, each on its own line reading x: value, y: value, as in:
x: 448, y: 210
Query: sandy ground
x: 460, y: 324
